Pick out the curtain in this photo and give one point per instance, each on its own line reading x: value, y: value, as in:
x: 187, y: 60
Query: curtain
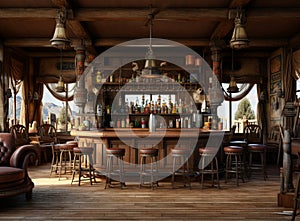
x: 289, y: 84
x: 296, y: 64
x: 59, y: 96
x: 245, y: 89
x: 262, y: 112
x: 16, y: 79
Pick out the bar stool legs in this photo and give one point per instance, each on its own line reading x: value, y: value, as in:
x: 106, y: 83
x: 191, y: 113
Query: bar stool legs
x: 111, y: 154
x: 82, y: 164
x: 234, y: 162
x: 61, y: 159
x: 212, y: 168
x: 181, y: 155
x: 259, y: 149
x: 152, y: 154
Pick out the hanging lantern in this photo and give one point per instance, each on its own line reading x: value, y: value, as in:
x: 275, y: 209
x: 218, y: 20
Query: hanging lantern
x: 239, y: 38
x: 60, y: 39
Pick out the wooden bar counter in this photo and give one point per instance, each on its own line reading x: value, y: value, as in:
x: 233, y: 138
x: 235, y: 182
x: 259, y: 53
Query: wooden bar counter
x: 134, y: 138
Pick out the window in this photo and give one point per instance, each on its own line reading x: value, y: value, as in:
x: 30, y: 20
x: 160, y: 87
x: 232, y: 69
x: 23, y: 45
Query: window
x: 55, y: 107
x: 224, y: 110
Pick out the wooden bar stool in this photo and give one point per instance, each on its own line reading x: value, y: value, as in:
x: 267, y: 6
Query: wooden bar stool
x: 244, y: 144
x: 181, y: 159
x: 234, y: 162
x: 258, y: 149
x: 61, y: 158
x: 82, y: 164
x: 152, y: 155
x: 118, y: 154
x: 210, y: 165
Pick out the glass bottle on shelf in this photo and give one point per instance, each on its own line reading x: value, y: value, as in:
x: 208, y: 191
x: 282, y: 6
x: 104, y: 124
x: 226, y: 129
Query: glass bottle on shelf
x: 174, y: 109
x: 147, y: 108
x: 136, y: 107
x: 180, y: 107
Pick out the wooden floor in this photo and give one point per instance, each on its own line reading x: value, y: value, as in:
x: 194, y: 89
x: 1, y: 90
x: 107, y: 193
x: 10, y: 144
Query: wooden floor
x: 255, y: 199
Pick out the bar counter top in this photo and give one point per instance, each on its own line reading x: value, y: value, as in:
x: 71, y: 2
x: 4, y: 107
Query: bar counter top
x: 141, y: 132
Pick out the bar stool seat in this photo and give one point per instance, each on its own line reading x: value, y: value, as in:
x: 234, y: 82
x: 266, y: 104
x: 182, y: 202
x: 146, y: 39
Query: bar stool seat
x: 181, y: 155
x: 119, y: 154
x: 211, y: 168
x: 61, y: 158
x: 82, y: 164
x: 261, y: 150
x: 152, y: 155
x: 240, y: 143
x: 234, y: 162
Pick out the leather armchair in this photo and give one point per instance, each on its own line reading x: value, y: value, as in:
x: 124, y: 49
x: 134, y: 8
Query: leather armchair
x: 14, y: 179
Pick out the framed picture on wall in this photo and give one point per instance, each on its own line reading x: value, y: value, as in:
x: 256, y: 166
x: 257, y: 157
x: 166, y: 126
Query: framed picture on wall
x: 275, y: 83
x: 275, y: 74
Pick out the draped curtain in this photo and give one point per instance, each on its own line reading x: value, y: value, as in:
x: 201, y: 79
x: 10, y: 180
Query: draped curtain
x: 16, y: 74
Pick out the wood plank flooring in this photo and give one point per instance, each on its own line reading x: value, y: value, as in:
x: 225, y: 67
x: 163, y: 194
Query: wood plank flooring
x: 255, y: 199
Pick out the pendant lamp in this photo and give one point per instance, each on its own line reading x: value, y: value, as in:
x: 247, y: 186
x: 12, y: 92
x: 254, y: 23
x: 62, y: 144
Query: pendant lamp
x: 61, y: 84
x: 150, y: 70
x: 239, y: 38
x: 60, y: 39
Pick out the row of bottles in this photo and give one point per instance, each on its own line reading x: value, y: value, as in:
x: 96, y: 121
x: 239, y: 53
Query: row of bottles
x: 154, y: 107
x: 191, y: 121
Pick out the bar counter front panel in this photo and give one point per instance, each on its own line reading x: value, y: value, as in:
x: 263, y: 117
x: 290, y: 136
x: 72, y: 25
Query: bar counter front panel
x: 133, y: 139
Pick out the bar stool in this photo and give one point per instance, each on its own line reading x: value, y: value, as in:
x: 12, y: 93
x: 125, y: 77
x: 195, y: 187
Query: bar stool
x: 244, y: 144
x: 209, y: 158
x: 119, y: 154
x: 82, y: 164
x: 234, y: 162
x: 152, y: 155
x: 181, y: 155
x: 258, y: 149
x: 61, y: 158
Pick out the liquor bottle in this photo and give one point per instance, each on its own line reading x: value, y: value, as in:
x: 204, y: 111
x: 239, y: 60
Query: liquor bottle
x: 136, y: 107
x: 147, y: 108
x: 180, y: 107
x: 174, y: 109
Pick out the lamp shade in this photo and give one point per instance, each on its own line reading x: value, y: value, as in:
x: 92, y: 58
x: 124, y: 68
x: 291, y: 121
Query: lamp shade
x: 60, y: 39
x: 239, y: 38
x: 150, y: 70
x: 232, y: 86
x: 60, y: 85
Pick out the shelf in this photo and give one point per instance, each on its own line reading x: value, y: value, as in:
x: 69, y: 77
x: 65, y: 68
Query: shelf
x: 146, y: 115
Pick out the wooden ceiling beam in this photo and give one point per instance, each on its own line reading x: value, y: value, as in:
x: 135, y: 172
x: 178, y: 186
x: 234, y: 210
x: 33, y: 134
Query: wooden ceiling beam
x: 24, y: 13
x: 108, y: 42
x: 94, y: 14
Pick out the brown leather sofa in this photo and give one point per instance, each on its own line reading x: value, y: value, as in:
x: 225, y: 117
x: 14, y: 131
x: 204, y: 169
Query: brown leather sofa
x: 14, y: 178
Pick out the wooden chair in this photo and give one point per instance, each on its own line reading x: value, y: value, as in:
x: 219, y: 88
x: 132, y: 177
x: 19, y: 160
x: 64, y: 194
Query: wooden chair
x: 253, y: 136
x: 47, y: 133
x: 47, y: 137
x: 20, y: 135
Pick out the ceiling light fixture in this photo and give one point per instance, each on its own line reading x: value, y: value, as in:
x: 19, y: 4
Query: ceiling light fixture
x: 150, y: 70
x: 61, y: 84
x: 232, y: 84
x: 239, y: 38
x: 60, y: 39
